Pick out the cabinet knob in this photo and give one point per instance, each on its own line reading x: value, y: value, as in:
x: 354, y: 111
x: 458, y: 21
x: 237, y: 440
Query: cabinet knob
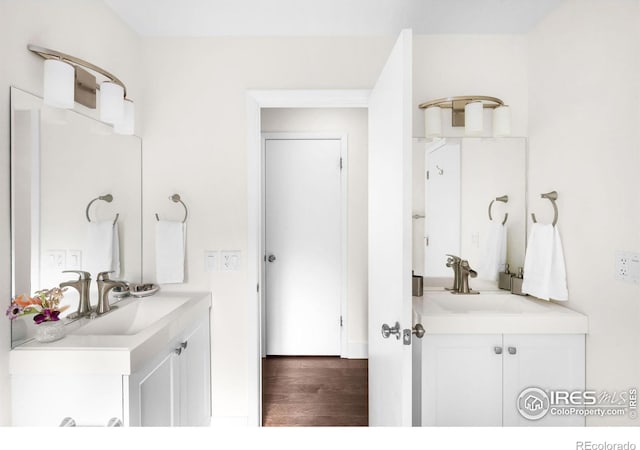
x: 497, y: 350
x: 177, y: 350
x: 512, y: 350
x: 184, y: 344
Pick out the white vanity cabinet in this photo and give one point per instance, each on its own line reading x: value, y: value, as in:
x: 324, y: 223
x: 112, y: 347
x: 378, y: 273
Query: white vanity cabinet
x: 475, y: 379
x: 174, y: 389
x: 146, y: 364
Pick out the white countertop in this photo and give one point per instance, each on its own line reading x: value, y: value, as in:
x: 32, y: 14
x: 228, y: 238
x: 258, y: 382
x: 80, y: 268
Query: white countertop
x: 111, y: 354
x: 441, y: 312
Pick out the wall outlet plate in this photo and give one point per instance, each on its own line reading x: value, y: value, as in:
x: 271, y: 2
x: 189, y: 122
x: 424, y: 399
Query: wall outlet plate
x: 628, y: 267
x: 229, y: 260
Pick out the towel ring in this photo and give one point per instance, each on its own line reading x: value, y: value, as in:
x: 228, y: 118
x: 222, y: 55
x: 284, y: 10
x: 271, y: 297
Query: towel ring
x: 175, y: 198
x: 106, y: 198
x: 503, y: 199
x: 552, y: 197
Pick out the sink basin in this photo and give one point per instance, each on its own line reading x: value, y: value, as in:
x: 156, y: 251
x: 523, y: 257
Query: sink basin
x: 494, y: 313
x: 482, y: 304
x: 131, y: 318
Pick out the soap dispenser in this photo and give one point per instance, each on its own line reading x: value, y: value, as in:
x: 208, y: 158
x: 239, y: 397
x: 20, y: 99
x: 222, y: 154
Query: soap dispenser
x: 504, y: 281
x: 516, y: 283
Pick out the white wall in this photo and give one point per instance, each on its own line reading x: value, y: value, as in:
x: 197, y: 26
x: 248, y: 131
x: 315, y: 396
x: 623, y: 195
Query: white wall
x: 584, y: 143
x: 353, y: 123
x: 83, y: 28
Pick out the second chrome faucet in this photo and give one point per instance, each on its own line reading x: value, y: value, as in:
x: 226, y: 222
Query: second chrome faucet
x: 461, y: 273
x: 82, y: 285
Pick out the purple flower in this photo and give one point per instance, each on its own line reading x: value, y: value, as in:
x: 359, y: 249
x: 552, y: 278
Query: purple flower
x: 46, y: 316
x: 14, y: 311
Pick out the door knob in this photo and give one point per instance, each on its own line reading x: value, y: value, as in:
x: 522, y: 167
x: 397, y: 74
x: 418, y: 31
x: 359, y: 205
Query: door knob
x: 388, y: 331
x: 418, y: 330
x: 271, y: 258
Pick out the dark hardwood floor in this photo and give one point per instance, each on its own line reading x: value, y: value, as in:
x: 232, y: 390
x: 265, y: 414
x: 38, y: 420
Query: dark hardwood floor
x: 314, y: 391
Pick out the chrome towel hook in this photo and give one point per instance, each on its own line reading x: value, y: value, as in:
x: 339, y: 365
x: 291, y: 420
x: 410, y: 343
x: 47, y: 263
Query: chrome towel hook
x: 552, y: 197
x: 105, y: 198
x: 175, y: 198
x: 503, y: 199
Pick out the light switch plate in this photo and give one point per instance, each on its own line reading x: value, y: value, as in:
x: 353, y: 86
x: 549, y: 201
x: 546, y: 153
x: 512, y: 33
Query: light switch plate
x: 55, y: 260
x: 229, y: 261
x: 211, y: 260
x: 74, y: 260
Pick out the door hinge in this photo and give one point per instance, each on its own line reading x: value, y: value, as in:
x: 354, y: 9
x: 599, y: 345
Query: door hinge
x: 426, y: 241
x: 340, y: 320
x: 427, y: 174
x: 258, y: 287
x: 341, y: 163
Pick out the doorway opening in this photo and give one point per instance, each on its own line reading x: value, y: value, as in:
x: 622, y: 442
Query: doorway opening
x: 325, y: 380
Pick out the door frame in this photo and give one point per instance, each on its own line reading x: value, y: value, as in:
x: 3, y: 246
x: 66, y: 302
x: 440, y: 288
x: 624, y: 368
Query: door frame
x: 344, y: 180
x: 255, y: 101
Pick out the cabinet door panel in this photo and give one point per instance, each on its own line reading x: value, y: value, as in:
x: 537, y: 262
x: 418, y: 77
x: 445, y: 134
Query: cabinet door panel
x: 543, y: 361
x: 462, y: 380
x: 195, y: 379
x: 153, y: 396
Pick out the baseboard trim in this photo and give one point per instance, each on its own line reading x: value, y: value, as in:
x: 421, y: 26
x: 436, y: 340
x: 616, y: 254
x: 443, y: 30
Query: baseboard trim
x: 229, y: 421
x: 357, y: 350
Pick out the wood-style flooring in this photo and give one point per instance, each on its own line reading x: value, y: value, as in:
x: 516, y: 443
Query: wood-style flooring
x: 314, y: 391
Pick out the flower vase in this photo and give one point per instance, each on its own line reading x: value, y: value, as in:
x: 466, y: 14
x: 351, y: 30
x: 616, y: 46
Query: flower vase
x: 50, y: 331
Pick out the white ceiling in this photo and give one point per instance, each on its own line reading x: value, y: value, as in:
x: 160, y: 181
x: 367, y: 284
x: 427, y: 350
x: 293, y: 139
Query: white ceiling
x: 328, y: 17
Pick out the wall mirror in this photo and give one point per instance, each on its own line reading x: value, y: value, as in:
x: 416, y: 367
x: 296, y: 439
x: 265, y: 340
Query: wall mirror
x: 60, y: 161
x: 462, y: 177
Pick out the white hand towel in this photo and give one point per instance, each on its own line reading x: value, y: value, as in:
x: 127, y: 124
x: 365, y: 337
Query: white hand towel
x: 103, y: 248
x: 544, y: 270
x: 494, y: 256
x: 170, y: 251
x: 115, y: 262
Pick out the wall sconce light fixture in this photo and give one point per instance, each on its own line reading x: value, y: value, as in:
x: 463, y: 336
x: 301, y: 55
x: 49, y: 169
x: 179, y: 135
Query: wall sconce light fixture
x: 67, y: 80
x: 467, y: 112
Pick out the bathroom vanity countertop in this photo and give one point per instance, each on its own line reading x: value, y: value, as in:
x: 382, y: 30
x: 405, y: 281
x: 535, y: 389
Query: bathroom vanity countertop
x: 81, y: 352
x: 441, y: 312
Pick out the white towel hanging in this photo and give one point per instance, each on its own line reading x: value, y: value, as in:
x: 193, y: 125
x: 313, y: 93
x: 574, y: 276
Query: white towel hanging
x: 103, y: 248
x: 170, y: 251
x: 544, y: 269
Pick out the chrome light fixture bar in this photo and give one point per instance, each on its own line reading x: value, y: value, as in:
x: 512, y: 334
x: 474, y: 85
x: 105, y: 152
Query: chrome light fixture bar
x: 466, y: 111
x: 61, y: 90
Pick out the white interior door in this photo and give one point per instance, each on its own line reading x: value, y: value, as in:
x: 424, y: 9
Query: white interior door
x: 390, y: 155
x: 303, y: 246
x: 442, y: 197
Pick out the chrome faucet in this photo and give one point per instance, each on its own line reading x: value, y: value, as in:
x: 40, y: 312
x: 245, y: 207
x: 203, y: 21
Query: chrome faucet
x: 105, y: 284
x: 465, y: 272
x: 82, y: 285
x: 454, y: 262
x: 461, y: 273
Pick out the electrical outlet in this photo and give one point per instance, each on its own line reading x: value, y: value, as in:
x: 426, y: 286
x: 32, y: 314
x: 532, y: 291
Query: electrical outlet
x: 229, y: 261
x: 628, y: 267
x: 211, y: 261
